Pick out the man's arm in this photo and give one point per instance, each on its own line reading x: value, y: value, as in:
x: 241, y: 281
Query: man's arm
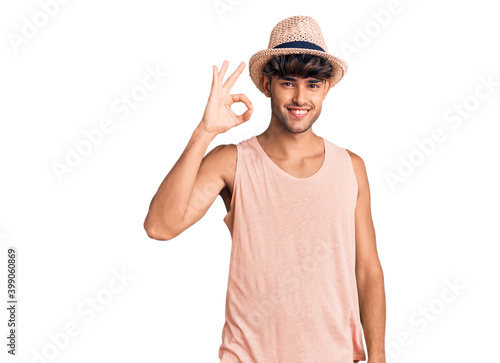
x: 369, y: 274
x: 194, y: 182
x: 188, y: 190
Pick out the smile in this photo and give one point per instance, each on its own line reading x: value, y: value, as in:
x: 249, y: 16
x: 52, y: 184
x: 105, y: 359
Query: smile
x: 298, y: 112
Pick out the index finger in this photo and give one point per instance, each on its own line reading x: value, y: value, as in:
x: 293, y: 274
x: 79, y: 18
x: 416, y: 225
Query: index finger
x: 232, y: 79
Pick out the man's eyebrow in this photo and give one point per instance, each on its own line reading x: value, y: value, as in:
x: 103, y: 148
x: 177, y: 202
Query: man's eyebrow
x: 292, y: 79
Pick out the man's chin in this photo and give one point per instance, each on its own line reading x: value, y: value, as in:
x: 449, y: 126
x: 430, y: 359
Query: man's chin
x: 297, y: 129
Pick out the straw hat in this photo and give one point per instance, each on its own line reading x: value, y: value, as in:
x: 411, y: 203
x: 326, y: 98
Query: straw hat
x: 295, y: 35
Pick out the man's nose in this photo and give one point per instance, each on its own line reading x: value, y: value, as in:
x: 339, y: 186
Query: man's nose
x: 299, y: 96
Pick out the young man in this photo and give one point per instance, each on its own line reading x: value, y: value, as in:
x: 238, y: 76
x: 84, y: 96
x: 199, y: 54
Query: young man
x: 304, y: 273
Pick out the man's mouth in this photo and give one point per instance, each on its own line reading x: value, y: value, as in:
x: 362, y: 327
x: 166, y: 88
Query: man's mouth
x: 298, y: 112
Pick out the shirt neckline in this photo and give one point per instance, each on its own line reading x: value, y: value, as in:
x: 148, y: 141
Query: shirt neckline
x: 273, y: 165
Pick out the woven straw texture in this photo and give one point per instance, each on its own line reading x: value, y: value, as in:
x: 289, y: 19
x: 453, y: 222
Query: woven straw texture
x: 295, y: 28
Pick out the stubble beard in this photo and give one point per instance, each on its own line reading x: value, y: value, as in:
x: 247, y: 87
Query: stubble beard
x: 285, y: 119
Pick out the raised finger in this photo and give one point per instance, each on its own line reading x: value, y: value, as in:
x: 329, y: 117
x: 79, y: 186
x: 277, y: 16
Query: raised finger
x: 233, y: 77
x: 215, y: 79
x: 222, y: 72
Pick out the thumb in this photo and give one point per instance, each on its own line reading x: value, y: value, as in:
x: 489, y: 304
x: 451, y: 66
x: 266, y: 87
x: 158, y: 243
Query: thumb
x: 245, y: 116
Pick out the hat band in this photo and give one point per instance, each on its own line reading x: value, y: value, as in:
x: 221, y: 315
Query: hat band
x: 300, y: 44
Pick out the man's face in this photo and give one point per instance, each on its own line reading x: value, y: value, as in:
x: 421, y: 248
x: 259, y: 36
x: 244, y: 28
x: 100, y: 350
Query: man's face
x: 296, y: 102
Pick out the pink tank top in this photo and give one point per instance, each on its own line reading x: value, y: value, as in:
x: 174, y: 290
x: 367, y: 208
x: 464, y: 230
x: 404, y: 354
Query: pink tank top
x: 291, y: 293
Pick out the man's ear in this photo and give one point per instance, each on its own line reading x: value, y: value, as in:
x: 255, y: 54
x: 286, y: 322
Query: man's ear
x: 266, y: 86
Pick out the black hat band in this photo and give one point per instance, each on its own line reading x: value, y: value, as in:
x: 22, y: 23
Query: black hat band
x: 300, y: 44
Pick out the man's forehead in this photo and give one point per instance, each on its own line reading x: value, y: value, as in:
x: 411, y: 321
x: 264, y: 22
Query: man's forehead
x: 295, y: 79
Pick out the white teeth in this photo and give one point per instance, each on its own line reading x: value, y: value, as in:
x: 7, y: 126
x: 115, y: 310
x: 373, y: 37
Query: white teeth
x: 299, y: 112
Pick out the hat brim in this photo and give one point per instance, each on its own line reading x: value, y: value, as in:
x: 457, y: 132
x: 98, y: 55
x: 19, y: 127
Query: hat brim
x: 258, y: 61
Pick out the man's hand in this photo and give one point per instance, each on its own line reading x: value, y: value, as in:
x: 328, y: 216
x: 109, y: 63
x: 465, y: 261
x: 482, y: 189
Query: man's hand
x: 218, y: 116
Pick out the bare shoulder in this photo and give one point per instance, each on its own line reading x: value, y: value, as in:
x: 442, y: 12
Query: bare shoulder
x: 359, y: 167
x: 357, y: 161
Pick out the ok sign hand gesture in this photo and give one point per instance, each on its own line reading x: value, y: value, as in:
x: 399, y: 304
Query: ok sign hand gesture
x: 218, y: 116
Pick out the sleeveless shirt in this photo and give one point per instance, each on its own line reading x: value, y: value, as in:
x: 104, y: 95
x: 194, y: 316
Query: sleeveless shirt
x: 291, y: 293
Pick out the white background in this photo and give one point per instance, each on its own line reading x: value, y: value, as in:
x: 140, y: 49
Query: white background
x: 440, y: 223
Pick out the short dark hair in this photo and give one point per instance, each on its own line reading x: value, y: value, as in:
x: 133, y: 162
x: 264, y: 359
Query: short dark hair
x: 300, y: 65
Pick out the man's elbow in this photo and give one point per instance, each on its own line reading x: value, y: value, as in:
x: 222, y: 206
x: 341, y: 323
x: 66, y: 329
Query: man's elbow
x: 157, y: 231
x: 370, y: 270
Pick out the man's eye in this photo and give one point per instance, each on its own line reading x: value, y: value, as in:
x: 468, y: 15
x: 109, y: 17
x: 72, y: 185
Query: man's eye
x: 289, y: 83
